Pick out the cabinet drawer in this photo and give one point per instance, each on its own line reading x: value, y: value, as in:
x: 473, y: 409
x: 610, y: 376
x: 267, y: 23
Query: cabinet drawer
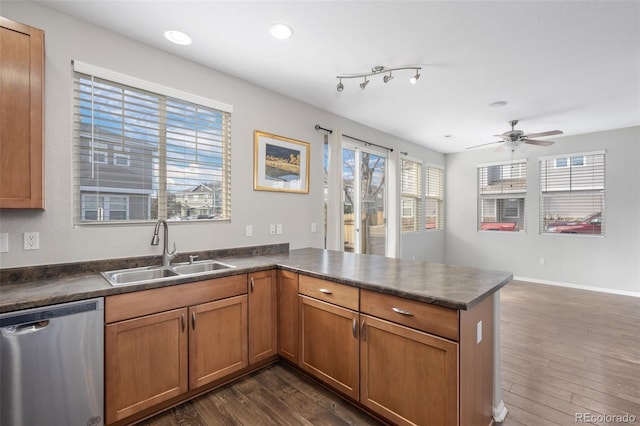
x: 419, y: 315
x: 328, y: 291
x: 145, y: 302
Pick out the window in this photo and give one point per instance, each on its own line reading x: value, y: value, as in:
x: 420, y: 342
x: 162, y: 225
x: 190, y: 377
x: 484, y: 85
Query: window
x: 434, y: 194
x: 562, y: 162
x: 143, y: 151
x: 572, y: 197
x: 502, y: 189
x: 411, y: 195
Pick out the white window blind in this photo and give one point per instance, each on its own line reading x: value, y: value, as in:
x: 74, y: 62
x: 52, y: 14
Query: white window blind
x: 434, y: 194
x: 411, y: 195
x: 502, y: 189
x: 572, y: 194
x: 149, y: 155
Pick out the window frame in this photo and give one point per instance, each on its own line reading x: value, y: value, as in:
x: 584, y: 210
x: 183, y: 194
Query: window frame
x: 576, y: 196
x: 511, y: 172
x: 438, y: 197
x: 153, y: 196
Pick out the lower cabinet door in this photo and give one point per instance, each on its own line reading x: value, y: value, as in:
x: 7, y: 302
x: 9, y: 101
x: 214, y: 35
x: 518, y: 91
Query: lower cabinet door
x: 217, y: 339
x: 408, y: 376
x: 329, y: 344
x: 145, y: 362
x: 263, y: 315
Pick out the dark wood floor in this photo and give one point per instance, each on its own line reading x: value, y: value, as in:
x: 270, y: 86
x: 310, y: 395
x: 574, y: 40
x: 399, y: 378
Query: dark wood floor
x: 564, y: 352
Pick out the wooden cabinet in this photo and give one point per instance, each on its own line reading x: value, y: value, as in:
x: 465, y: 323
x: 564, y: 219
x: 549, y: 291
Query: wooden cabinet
x: 145, y: 362
x: 329, y: 345
x: 217, y: 340
x: 263, y: 316
x: 161, y: 343
x: 407, y: 376
x: 288, y: 338
x: 21, y: 115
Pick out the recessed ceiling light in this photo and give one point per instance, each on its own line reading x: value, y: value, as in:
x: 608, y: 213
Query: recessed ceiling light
x: 177, y: 37
x: 497, y: 104
x: 280, y: 31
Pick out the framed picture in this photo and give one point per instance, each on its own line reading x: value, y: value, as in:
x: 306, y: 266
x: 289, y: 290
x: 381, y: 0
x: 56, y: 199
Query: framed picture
x: 280, y: 164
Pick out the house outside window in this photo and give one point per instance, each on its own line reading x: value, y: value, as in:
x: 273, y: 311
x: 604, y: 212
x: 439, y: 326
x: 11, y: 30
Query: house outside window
x: 141, y: 148
x: 502, y: 190
x: 572, y: 197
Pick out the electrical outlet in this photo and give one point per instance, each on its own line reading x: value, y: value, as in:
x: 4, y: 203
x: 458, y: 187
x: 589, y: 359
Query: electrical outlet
x: 31, y: 240
x: 479, y: 332
x: 272, y: 229
x: 313, y: 227
x: 279, y: 229
x: 248, y: 230
x: 541, y: 260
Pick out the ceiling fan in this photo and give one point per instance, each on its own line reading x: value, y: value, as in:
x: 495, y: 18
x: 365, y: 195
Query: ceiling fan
x: 515, y: 138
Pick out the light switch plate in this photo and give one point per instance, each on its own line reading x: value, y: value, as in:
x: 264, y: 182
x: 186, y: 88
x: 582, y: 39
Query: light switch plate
x: 248, y: 230
x: 279, y: 229
x: 4, y: 242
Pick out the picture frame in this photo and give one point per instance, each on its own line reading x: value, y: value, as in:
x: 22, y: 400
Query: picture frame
x: 280, y: 164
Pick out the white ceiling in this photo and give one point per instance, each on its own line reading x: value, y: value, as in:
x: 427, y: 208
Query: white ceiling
x: 568, y: 65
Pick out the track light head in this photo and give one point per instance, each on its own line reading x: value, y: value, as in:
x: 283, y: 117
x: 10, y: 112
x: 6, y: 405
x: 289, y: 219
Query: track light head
x: 415, y: 78
x: 340, y: 86
x: 387, y: 78
x: 364, y: 83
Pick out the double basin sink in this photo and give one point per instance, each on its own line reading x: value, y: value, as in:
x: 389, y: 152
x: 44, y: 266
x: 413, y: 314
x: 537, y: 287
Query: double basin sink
x: 149, y: 274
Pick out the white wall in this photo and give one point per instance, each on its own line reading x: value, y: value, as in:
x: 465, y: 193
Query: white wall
x: 67, y: 39
x: 611, y: 262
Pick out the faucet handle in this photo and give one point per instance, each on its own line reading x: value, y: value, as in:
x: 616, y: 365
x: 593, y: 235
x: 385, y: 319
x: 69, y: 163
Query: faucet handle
x: 175, y: 250
x: 192, y: 257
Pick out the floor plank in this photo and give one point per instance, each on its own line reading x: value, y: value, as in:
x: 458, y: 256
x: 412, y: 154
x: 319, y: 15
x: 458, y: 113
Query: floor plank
x: 565, y: 352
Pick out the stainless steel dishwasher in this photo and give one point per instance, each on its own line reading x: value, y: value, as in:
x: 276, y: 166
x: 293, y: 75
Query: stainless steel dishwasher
x: 52, y: 365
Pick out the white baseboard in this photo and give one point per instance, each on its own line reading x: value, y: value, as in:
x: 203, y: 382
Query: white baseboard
x: 500, y: 412
x: 578, y: 286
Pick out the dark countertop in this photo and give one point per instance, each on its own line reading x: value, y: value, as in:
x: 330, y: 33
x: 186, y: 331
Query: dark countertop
x: 451, y: 286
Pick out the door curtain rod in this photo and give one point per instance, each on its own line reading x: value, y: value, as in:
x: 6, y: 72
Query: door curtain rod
x: 317, y: 127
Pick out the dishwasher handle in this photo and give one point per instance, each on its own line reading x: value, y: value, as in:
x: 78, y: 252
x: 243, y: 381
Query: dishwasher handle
x: 17, y: 330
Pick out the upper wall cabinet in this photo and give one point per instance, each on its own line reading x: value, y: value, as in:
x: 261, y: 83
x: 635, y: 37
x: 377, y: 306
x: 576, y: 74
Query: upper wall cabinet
x: 21, y: 116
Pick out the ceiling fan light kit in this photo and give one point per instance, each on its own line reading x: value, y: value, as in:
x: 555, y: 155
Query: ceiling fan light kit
x: 378, y: 70
x: 515, y: 138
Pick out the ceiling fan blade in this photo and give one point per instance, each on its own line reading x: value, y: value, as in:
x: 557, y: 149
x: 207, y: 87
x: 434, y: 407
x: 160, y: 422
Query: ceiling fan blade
x: 503, y: 137
x: 541, y: 134
x: 484, y: 144
x: 536, y: 142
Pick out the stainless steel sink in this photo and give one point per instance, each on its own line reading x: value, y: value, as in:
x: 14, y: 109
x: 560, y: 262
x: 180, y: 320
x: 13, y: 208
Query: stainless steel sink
x: 162, y: 273
x: 201, y: 267
x: 137, y: 275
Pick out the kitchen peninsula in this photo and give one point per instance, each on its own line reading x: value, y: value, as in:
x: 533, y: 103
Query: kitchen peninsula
x: 406, y: 340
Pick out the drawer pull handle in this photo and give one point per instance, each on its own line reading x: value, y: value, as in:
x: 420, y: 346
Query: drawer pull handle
x: 402, y: 312
x: 325, y: 291
x: 354, y: 327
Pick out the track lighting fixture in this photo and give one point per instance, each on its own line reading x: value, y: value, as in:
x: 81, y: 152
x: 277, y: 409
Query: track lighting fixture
x: 375, y: 71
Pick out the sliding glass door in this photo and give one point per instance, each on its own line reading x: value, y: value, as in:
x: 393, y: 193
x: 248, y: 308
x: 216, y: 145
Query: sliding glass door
x: 364, y: 199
